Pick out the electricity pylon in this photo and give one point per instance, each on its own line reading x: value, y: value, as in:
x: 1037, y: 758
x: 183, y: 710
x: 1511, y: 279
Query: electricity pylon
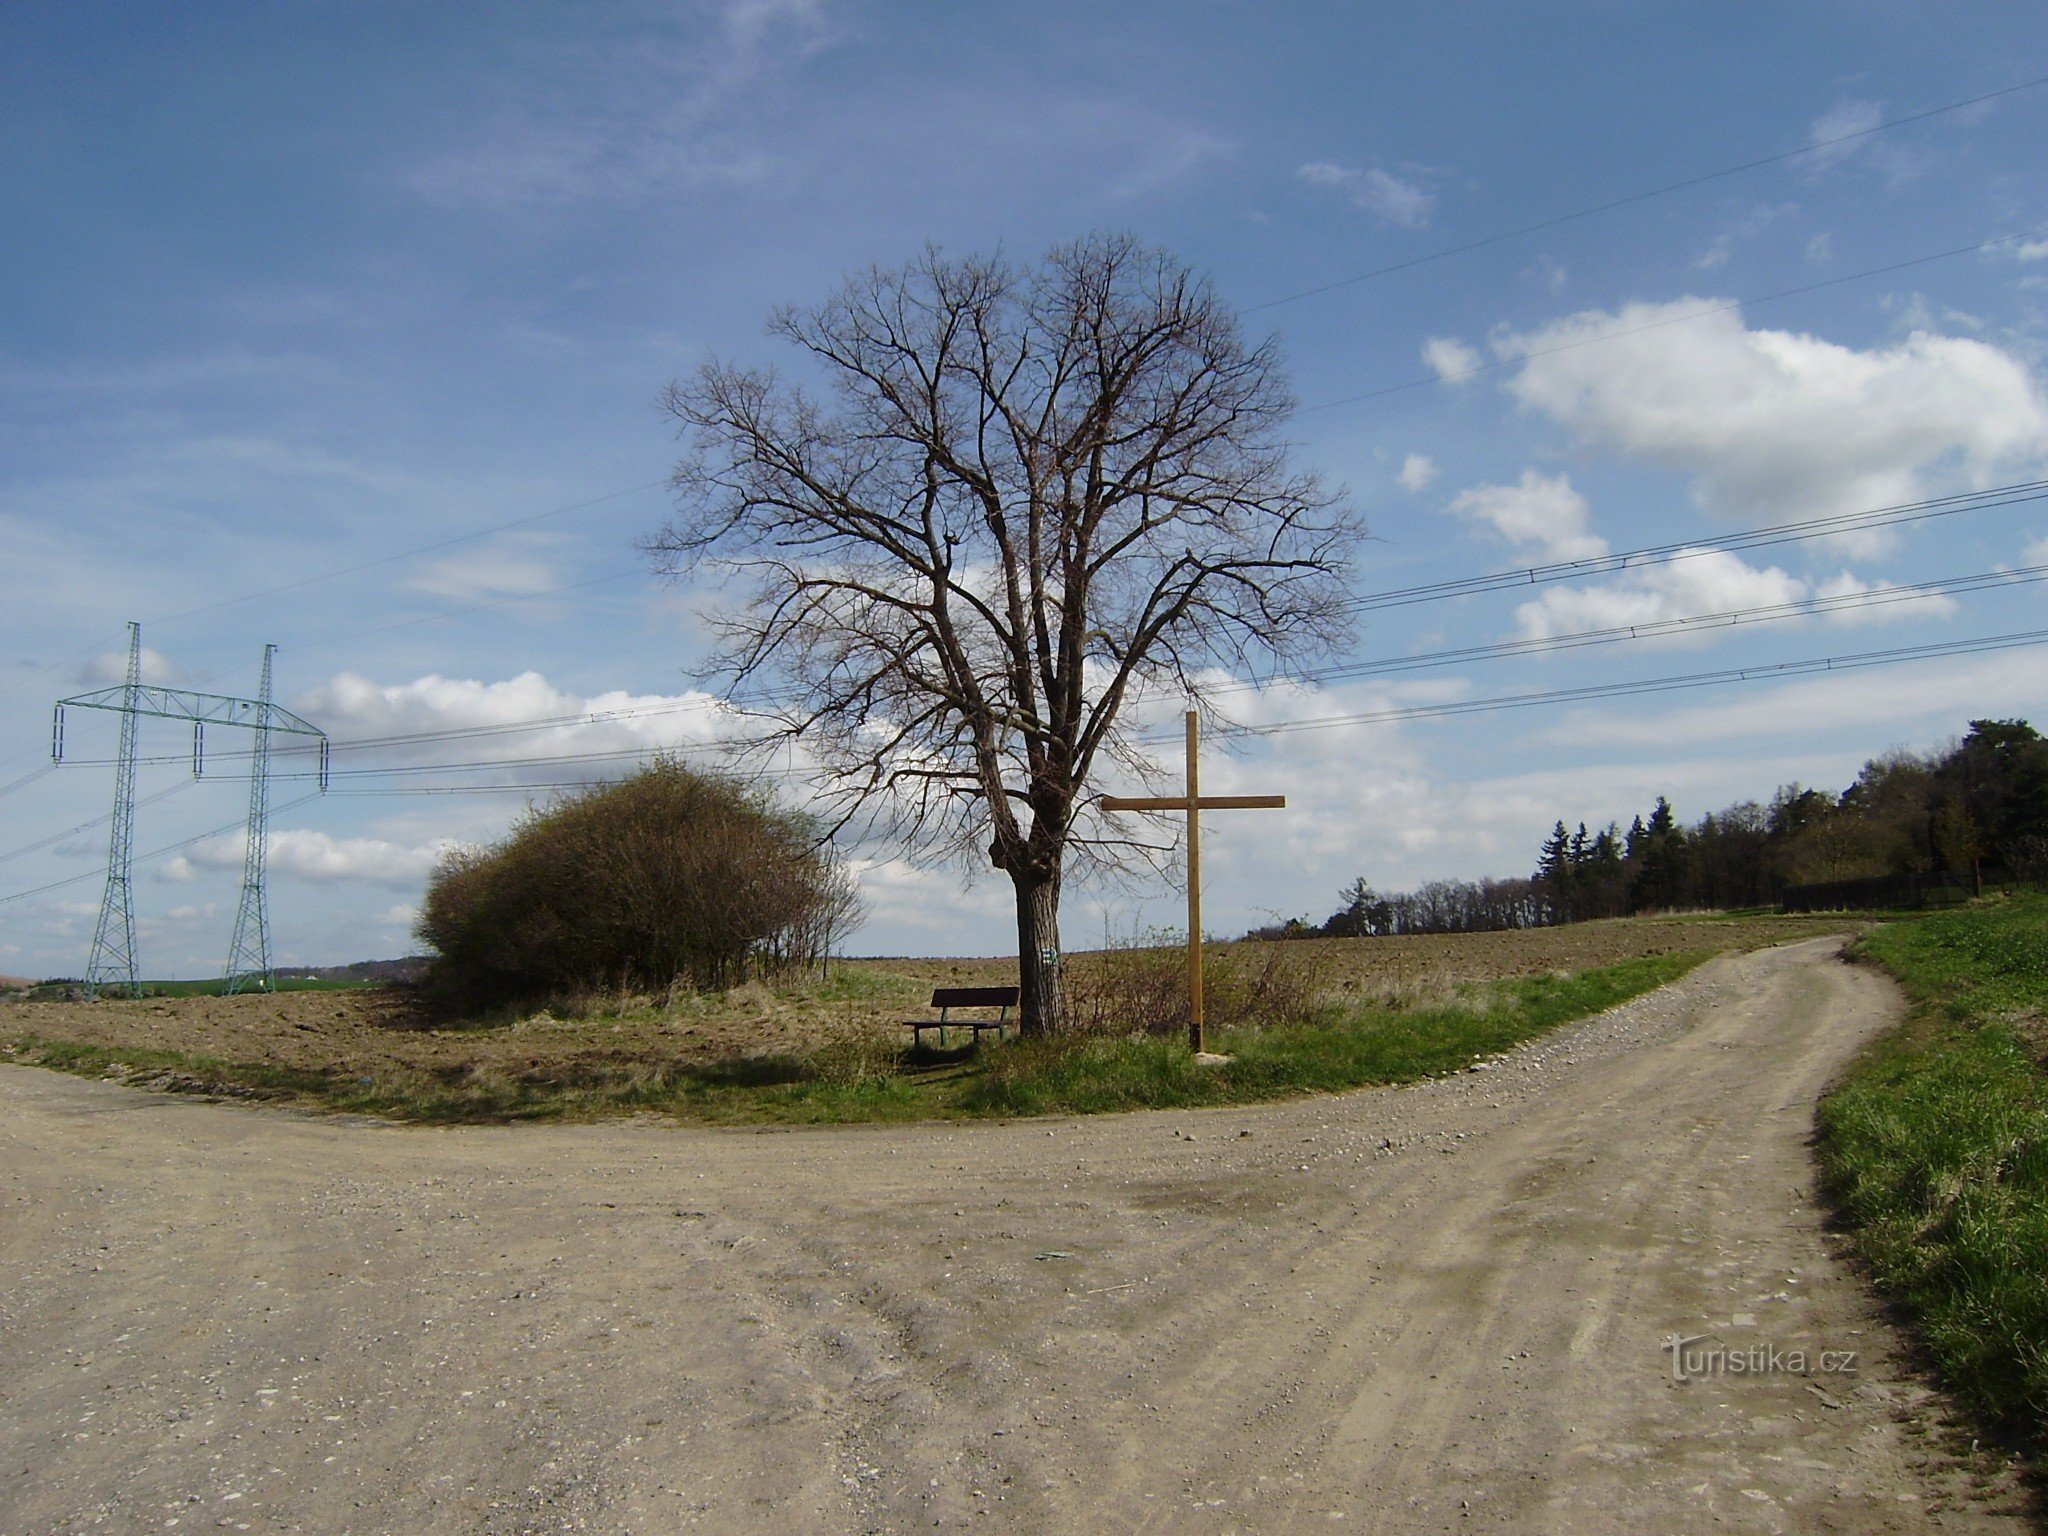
x: 249, y: 954
x: 113, y: 939
x: 113, y: 960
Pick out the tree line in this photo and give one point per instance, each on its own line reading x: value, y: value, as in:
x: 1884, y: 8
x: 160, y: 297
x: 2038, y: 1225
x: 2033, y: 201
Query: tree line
x: 1980, y: 803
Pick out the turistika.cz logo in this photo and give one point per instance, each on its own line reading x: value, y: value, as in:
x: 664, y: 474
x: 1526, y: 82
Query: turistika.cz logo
x: 1703, y: 1355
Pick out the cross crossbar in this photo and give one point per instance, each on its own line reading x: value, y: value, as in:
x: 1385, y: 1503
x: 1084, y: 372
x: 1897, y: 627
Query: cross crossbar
x: 1205, y: 803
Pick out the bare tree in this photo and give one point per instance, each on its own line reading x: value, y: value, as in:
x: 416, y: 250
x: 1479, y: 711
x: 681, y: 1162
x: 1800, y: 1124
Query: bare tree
x: 1030, y: 496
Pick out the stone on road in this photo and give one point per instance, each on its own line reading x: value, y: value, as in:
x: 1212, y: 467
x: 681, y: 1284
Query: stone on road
x: 1448, y: 1307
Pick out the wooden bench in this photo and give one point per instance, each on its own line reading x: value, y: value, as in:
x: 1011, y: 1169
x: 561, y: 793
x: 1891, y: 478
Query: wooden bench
x: 946, y: 999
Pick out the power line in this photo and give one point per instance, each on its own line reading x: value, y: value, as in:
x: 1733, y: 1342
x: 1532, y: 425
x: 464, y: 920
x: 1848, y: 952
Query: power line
x: 1854, y: 661
x: 154, y: 853
x: 1638, y: 197
x: 1438, y: 255
x: 1626, y: 560
x: 1664, y: 554
x: 1830, y: 525
x: 457, y: 613
x: 1650, y: 629
x: 27, y: 778
x: 420, y: 549
x: 86, y: 826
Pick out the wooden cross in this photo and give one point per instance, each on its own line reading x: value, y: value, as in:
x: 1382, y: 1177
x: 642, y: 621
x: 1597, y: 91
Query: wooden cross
x: 1194, y: 802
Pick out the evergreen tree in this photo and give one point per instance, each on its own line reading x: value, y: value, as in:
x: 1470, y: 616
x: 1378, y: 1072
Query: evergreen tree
x: 1632, y: 849
x: 1660, y: 878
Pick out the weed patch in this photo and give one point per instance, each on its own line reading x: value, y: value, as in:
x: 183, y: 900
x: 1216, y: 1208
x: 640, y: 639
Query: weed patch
x: 1936, y: 1148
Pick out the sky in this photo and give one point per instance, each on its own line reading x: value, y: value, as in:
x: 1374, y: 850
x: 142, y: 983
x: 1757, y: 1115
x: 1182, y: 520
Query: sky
x: 343, y: 328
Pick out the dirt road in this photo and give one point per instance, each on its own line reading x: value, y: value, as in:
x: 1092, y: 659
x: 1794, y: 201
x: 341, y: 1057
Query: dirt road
x: 1442, y: 1308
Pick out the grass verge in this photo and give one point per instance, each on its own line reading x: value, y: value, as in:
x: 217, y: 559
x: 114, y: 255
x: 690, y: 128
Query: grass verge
x: 1340, y: 1046
x: 1936, y: 1148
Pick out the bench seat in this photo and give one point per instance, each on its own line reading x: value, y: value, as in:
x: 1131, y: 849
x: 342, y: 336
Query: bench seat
x: 946, y: 999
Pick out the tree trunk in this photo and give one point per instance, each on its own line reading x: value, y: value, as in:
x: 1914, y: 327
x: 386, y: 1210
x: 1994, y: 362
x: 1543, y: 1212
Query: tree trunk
x: 1042, y: 998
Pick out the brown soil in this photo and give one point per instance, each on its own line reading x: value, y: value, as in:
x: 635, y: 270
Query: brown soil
x: 386, y: 1029
x: 1444, y: 1308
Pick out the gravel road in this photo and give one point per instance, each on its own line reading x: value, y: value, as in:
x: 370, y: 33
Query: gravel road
x: 1442, y: 1308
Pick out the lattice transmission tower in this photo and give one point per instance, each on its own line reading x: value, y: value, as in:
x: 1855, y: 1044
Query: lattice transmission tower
x: 114, y: 963
x: 249, y: 954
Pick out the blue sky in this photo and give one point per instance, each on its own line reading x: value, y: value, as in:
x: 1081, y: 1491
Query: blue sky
x: 342, y: 327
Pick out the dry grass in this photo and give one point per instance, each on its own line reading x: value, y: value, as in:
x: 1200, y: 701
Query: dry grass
x: 845, y: 1027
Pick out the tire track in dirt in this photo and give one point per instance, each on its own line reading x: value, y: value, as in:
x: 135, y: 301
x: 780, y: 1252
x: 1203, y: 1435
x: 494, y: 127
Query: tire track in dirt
x: 1440, y: 1308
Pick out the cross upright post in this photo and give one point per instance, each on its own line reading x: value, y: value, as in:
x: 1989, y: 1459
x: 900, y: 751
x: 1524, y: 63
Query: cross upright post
x: 1193, y: 802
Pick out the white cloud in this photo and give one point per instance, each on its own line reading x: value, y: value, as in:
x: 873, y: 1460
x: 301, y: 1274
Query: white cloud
x: 671, y: 114
x: 352, y: 708
x: 112, y: 667
x: 2031, y: 250
x: 1928, y: 605
x: 1450, y: 359
x: 1538, y: 511
x: 1774, y: 425
x: 1381, y: 193
x: 1821, y: 248
x: 297, y: 852
x: 1882, y: 704
x: 1849, y: 122
x: 1417, y: 471
x: 1702, y: 581
x: 504, y: 569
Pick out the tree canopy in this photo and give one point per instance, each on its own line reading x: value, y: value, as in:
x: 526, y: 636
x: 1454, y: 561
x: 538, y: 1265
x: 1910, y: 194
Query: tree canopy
x: 1017, y: 499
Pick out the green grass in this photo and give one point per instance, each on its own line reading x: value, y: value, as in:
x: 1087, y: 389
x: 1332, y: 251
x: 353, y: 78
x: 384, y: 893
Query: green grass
x: 1936, y: 1147
x: 863, y: 1080
x: 210, y: 988
x: 1353, y: 1048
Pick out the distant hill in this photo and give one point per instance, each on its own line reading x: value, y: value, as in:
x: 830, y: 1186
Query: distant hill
x: 411, y: 968
x: 14, y: 983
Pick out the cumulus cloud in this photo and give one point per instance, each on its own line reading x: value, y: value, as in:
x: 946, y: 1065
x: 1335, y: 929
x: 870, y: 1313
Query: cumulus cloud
x: 111, y: 667
x: 1381, y: 193
x: 517, y: 718
x: 511, y: 568
x: 1538, y: 511
x: 1701, y: 581
x: 302, y: 854
x: 1450, y: 359
x: 1842, y: 130
x: 1417, y: 471
x: 1776, y: 426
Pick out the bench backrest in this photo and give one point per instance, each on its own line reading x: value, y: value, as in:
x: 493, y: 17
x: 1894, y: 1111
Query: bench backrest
x: 974, y: 997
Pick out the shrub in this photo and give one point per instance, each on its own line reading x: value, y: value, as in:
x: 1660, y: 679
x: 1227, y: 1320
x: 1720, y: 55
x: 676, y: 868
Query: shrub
x: 671, y: 876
